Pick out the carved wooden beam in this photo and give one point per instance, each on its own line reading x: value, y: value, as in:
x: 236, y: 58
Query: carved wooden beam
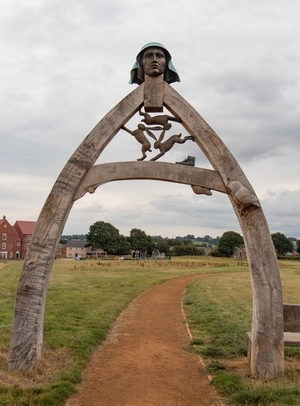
x: 104, y: 173
x: 78, y: 176
x: 153, y: 93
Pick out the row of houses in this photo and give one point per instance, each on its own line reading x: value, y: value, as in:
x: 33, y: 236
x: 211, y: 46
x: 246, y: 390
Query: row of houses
x: 77, y: 249
x: 15, y: 240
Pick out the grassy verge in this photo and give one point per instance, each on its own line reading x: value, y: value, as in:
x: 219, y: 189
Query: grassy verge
x: 84, y: 298
x: 218, y: 309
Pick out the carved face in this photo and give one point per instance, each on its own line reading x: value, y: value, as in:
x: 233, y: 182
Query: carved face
x: 154, y: 61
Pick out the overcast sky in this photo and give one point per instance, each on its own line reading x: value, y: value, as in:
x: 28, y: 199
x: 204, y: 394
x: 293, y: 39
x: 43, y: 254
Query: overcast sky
x: 65, y: 64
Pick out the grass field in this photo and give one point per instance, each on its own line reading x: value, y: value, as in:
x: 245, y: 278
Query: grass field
x: 84, y: 298
x: 218, y: 310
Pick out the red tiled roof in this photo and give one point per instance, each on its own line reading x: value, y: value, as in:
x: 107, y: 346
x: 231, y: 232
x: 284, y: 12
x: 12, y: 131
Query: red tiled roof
x: 26, y: 227
x: 2, y: 220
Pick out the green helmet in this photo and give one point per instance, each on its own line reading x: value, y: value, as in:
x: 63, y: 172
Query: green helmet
x: 137, y: 73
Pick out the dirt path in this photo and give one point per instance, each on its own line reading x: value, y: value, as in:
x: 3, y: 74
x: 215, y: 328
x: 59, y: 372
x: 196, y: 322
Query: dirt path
x: 143, y: 361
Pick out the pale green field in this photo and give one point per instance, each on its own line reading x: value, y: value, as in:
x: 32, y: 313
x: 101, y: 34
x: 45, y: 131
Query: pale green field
x: 85, y: 297
x: 218, y: 309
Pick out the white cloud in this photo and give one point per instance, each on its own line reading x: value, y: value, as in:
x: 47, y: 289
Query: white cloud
x: 64, y: 65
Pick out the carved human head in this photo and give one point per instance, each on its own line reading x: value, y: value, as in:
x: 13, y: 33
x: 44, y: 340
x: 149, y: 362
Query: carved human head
x: 153, y: 60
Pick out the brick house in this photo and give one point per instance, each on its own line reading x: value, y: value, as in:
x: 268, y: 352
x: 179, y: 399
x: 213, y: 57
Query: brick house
x: 10, y: 240
x: 77, y: 248
x: 15, y: 239
x: 61, y: 251
x: 25, y: 231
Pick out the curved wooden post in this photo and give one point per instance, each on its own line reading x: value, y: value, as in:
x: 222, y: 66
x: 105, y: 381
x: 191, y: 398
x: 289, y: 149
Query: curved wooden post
x: 26, y: 341
x: 267, y: 352
x: 76, y: 178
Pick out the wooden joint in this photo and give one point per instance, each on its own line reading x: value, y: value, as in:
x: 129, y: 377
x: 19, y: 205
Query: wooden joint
x: 153, y: 94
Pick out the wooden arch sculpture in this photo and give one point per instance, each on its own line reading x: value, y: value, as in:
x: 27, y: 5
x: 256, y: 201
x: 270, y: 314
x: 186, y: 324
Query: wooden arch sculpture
x: 79, y: 176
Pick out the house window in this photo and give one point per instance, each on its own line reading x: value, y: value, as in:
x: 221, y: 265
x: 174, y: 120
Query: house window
x: 18, y: 243
x: 10, y: 255
x: 4, y: 246
x: 3, y: 236
x: 28, y: 237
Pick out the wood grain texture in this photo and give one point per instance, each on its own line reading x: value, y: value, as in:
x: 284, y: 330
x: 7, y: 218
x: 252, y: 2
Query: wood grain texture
x: 26, y: 341
x: 153, y: 94
x: 291, y: 317
x: 79, y: 175
x: 104, y: 173
x: 267, y: 355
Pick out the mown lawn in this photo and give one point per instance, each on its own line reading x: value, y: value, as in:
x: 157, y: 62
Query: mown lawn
x: 218, y: 310
x: 84, y: 298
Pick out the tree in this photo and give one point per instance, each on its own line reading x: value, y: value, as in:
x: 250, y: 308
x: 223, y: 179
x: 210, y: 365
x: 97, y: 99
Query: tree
x: 185, y: 249
x: 190, y: 237
x: 140, y: 241
x: 282, y: 244
x: 107, y: 237
x: 123, y: 246
x: 174, y: 241
x: 163, y: 246
x: 298, y: 246
x: 229, y: 242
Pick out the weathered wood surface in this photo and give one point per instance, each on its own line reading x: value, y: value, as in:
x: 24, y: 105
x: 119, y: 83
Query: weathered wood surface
x: 154, y: 93
x: 26, y: 341
x: 267, y: 355
x: 291, y: 317
x: 104, y: 173
x: 291, y: 339
x: 267, y: 321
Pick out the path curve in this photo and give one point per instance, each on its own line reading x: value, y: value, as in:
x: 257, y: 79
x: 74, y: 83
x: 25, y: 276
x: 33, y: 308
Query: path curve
x: 143, y: 361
